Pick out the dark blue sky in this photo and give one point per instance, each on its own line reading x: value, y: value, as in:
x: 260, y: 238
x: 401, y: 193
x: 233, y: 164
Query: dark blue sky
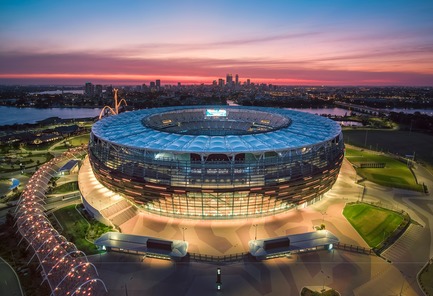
x: 290, y: 42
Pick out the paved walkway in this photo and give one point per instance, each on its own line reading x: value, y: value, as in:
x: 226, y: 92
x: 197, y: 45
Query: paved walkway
x: 227, y: 237
x: 9, y: 282
x: 349, y: 273
x: 403, y: 249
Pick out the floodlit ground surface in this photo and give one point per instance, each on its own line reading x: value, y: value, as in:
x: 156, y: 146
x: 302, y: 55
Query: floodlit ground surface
x: 394, y: 174
x: 372, y: 223
x: 349, y: 273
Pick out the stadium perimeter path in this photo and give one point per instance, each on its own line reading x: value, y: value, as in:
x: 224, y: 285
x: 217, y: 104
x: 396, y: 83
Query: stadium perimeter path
x: 219, y: 238
x: 9, y: 282
x: 350, y: 273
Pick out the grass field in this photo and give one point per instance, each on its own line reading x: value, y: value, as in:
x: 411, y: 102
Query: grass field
x: 76, y: 229
x: 426, y: 279
x: 395, y: 173
x: 79, y: 140
x: 372, y: 223
x: 307, y: 292
x: 65, y: 188
x: 394, y: 141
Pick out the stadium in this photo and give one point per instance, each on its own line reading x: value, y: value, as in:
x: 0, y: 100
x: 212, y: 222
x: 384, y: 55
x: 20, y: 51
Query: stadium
x: 208, y: 162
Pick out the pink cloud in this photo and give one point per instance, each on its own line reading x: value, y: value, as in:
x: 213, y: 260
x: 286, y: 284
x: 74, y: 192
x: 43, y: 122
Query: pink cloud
x: 81, y: 67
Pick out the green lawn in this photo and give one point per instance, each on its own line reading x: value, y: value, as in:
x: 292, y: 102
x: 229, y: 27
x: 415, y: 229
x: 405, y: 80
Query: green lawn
x: 79, y: 140
x: 395, y: 174
x: 65, y: 188
x: 307, y: 292
x: 426, y: 279
x: 372, y: 223
x: 76, y: 228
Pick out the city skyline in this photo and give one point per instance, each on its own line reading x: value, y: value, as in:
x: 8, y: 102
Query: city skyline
x: 287, y: 42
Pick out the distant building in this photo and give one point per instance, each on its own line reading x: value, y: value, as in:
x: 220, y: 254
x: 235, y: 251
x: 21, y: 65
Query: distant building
x: 237, y: 79
x: 46, y: 138
x: 248, y: 82
x: 220, y: 82
x: 214, y: 83
x: 158, y: 83
x: 109, y: 91
x: 89, y: 89
x: 98, y: 90
x: 229, y: 79
x: 152, y: 84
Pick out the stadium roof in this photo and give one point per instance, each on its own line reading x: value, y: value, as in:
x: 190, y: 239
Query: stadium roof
x: 127, y: 129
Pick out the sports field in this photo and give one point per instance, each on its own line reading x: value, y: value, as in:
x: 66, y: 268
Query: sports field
x: 374, y: 224
x: 394, y: 141
x: 79, y: 140
x: 394, y: 174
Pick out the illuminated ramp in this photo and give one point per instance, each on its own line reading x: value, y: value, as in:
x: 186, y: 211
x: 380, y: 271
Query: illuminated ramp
x: 296, y: 243
x: 137, y: 244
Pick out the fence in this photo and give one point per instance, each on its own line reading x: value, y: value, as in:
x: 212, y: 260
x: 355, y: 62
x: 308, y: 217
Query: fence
x: 227, y: 258
x: 356, y: 249
x: 379, y: 165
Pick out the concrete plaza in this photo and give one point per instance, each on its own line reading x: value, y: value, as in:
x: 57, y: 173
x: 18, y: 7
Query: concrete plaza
x: 349, y: 273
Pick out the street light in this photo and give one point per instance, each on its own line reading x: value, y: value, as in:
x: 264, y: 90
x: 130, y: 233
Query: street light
x: 183, y: 233
x: 218, y: 280
x: 324, y: 278
x: 323, y: 216
x: 402, y: 282
x: 255, y: 231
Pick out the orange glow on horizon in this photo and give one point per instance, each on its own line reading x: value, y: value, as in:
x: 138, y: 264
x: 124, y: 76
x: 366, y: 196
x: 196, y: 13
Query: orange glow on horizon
x: 166, y: 79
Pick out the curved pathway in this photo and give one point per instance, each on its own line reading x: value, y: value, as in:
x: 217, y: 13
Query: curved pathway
x: 9, y: 281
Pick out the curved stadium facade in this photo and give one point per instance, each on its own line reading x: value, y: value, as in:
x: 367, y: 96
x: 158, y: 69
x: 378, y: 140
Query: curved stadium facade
x: 216, y: 162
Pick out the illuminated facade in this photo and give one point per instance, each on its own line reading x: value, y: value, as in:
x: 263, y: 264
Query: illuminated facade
x: 217, y: 163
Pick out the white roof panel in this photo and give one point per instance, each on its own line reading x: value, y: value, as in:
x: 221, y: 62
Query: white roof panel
x: 127, y: 129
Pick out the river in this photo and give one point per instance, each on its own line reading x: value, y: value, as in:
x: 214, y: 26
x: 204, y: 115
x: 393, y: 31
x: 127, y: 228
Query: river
x: 12, y: 115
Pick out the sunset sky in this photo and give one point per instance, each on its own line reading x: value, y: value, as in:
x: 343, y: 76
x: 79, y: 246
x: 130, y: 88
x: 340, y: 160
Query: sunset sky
x: 280, y: 42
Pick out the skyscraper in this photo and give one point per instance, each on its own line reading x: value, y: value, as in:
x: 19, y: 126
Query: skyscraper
x: 237, y: 79
x: 229, y: 80
x: 109, y: 92
x: 220, y: 82
x: 98, y: 90
x: 158, y: 83
x: 88, y: 89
